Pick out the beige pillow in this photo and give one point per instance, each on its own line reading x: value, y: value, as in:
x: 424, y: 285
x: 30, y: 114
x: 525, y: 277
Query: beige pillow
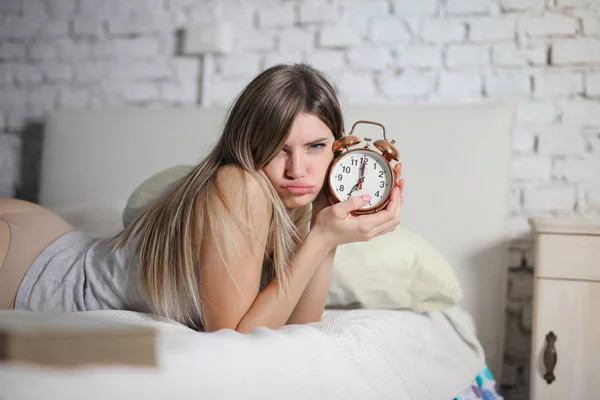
x: 399, y: 270
x: 151, y: 189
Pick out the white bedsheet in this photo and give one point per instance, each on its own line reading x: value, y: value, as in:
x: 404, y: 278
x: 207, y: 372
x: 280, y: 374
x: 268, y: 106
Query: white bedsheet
x: 358, y: 354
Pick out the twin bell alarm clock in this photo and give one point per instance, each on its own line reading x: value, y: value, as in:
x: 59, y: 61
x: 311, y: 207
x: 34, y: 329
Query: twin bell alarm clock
x: 357, y: 171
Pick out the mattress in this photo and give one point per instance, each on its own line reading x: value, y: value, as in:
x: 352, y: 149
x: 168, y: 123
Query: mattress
x: 349, y: 354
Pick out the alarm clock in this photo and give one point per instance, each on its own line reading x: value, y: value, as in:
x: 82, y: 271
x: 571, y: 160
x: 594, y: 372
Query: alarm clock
x: 362, y: 170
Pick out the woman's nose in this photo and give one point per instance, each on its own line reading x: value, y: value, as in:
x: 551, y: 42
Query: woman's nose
x: 296, y: 166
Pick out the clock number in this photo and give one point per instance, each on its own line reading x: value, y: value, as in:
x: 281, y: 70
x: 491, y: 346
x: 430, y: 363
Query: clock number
x: 339, y: 177
x: 354, y: 161
x: 382, y: 184
x: 374, y: 165
x: 377, y: 193
x: 381, y: 174
x: 341, y: 188
x: 346, y: 170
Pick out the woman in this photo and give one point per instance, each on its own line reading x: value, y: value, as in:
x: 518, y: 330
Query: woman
x: 229, y: 245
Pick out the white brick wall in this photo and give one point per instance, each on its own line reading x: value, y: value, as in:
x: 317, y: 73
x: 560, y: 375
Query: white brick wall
x: 543, y: 54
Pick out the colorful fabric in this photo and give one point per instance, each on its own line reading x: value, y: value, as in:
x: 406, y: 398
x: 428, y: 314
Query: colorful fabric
x: 484, y: 387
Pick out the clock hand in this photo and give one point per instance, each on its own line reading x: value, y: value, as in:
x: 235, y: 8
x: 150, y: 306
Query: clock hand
x: 353, y: 189
x: 362, y: 172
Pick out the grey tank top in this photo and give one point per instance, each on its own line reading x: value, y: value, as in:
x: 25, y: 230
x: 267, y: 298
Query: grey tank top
x: 79, y: 273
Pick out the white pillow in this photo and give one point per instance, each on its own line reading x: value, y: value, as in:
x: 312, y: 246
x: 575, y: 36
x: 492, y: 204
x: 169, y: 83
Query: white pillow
x: 95, y: 220
x: 399, y: 270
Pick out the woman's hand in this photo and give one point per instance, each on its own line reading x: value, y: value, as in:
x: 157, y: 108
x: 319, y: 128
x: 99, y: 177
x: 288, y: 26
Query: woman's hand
x: 336, y: 225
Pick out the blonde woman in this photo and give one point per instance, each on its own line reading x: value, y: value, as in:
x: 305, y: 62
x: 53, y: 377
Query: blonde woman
x: 227, y: 246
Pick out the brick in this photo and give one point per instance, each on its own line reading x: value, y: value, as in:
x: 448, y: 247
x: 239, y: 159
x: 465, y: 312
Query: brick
x: 522, y: 5
x: 43, y: 51
x: 510, y: 55
x: 338, y: 36
x: 142, y: 70
x: 12, y: 51
x: 584, y: 113
x: 223, y: 91
x: 549, y: 25
x: 410, y: 8
x: 561, y: 140
x: 389, y: 31
x: 356, y: 84
x: 576, y: 51
x: 34, y: 8
x: 19, y: 28
x: 282, y: 58
x: 443, y: 31
x: 61, y: 9
x: 460, y: 85
x: 57, y: 73
x: 419, y: 56
x: 592, y: 84
x: 593, y: 197
x: 466, y: 7
x: 87, y: 28
x: 492, y: 29
x: 536, y: 113
x: 239, y: 65
x: 531, y: 167
x: 43, y: 98
x: 370, y: 58
x: 408, y: 84
x: 507, y: 84
x: 365, y: 9
x: 523, y: 140
x: 295, y: 39
x: 182, y: 93
x: 68, y: 50
x: 578, y: 170
x: 11, y: 7
x: 138, y: 7
x: 252, y: 39
x: 16, y: 118
x: 73, y: 97
x: 329, y: 61
x: 317, y: 12
x: 27, y: 75
x: 276, y: 16
x: 549, y: 197
x: 137, y: 48
x: 515, y: 206
x: 467, y: 55
x: 213, y: 37
x: 558, y: 84
x: 140, y: 92
x: 186, y: 69
x: 521, y: 285
x: 89, y: 73
x: 98, y: 9
x: 518, y: 228
x: 140, y: 24
x: 54, y: 29
x: 572, y: 3
x: 238, y: 14
x: 591, y: 26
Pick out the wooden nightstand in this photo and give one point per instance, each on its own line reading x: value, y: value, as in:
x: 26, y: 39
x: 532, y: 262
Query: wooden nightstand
x: 565, y: 353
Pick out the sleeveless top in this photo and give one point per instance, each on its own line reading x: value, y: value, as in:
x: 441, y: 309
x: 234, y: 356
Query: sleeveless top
x: 79, y: 273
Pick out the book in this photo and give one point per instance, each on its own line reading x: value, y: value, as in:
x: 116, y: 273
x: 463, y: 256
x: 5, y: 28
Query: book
x: 71, y: 339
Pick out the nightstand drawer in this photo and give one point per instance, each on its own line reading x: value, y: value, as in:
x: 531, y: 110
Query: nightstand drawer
x: 565, y: 362
x: 568, y: 257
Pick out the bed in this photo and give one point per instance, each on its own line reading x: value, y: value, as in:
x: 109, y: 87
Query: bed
x: 456, y: 162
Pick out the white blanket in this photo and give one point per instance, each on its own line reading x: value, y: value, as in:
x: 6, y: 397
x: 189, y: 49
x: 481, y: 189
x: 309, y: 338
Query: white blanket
x: 358, y: 354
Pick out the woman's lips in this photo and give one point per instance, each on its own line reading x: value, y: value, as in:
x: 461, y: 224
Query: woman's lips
x: 299, y: 188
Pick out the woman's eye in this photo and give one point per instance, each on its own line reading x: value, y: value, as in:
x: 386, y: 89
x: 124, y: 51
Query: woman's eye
x: 317, y: 146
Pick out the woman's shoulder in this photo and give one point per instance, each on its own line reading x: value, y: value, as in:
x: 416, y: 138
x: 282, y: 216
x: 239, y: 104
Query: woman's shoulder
x: 238, y: 184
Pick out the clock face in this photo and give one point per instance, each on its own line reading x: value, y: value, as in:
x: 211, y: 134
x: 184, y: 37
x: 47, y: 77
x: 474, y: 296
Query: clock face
x: 361, y: 172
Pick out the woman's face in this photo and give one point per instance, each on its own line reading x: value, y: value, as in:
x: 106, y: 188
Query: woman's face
x: 298, y: 171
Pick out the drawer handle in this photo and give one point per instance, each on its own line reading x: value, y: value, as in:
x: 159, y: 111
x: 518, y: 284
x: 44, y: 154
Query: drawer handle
x: 550, y: 357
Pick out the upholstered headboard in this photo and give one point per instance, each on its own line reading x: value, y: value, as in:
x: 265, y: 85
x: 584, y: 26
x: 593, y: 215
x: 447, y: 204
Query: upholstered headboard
x: 456, y: 161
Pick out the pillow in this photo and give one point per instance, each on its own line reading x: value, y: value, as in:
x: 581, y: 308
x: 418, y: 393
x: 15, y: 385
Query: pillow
x: 151, y: 189
x: 399, y: 270
x: 95, y: 220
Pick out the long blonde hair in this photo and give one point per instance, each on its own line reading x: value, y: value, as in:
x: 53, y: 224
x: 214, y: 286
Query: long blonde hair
x: 168, y: 235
